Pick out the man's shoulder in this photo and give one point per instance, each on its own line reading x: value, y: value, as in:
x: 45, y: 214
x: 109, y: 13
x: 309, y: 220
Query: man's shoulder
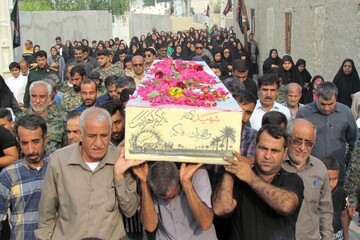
x: 67, y: 151
x: 12, y: 170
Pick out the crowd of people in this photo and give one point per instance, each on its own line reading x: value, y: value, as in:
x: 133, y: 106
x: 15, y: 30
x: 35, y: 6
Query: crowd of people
x: 63, y: 168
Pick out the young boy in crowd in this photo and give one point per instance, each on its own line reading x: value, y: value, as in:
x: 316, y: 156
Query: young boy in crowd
x: 339, y: 198
x: 17, y: 82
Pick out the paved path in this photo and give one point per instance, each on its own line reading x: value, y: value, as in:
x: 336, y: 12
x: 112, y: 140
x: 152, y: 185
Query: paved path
x: 354, y: 233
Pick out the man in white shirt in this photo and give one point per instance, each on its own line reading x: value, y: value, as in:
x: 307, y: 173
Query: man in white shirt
x: 268, y: 90
x: 17, y: 82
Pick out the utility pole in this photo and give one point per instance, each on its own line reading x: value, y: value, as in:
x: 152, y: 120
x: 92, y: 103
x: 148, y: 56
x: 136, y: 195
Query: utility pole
x: 244, y: 23
x: 6, y: 43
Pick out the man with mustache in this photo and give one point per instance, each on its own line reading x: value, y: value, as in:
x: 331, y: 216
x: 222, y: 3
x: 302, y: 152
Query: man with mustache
x: 118, y: 121
x: 316, y: 213
x: 88, y: 186
x: 88, y: 93
x: 262, y: 201
x: 268, y: 90
x: 72, y: 98
x: 293, y: 95
x: 40, y: 99
x: 21, y: 182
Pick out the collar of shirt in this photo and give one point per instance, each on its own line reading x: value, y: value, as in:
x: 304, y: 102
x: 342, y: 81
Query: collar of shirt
x: 259, y: 105
x: 309, y: 163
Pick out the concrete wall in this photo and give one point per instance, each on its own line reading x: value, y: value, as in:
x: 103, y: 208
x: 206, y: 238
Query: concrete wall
x: 184, y: 23
x: 323, y: 33
x: 43, y: 27
x: 6, y: 43
x: 141, y: 24
x: 121, y: 27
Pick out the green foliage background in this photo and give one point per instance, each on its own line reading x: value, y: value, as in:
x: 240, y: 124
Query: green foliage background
x: 116, y: 7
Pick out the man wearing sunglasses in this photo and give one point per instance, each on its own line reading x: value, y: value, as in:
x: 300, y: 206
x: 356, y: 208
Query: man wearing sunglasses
x: 149, y: 57
x: 316, y: 213
x: 199, y: 50
x: 139, y: 68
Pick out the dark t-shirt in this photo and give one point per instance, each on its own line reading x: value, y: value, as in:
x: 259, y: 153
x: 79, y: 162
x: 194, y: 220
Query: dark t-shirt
x: 339, y: 202
x: 6, y: 140
x: 254, y: 219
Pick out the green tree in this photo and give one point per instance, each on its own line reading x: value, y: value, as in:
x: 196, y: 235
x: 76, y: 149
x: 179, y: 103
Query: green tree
x: 35, y: 5
x: 149, y: 3
x: 228, y: 133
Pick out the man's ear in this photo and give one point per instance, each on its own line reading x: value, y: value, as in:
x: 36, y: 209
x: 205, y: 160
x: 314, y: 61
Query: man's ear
x: 46, y: 139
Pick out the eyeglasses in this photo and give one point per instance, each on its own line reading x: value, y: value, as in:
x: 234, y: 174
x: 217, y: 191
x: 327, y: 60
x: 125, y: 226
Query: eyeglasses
x: 226, y: 52
x: 300, y: 141
x: 199, y: 47
x: 138, y: 65
x: 147, y: 55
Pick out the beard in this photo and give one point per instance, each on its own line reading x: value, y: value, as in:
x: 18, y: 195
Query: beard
x: 118, y: 136
x: 76, y: 88
x: 31, y: 157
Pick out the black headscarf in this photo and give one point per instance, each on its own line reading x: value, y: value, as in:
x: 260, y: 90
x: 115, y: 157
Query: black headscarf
x: 309, y: 97
x: 291, y: 75
x: 347, y: 84
x: 271, y: 61
x: 304, y: 75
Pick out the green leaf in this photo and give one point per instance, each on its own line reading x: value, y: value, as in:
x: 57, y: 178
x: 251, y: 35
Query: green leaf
x: 153, y: 94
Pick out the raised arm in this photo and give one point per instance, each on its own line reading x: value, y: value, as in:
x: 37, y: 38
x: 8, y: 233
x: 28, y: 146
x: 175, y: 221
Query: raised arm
x: 148, y: 215
x: 283, y: 201
x: 201, y: 211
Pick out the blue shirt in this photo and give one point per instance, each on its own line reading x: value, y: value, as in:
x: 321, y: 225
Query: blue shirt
x: 247, y: 148
x: 20, y: 188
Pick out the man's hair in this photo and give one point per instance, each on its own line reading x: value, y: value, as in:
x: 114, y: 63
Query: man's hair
x: 31, y: 122
x: 14, y: 65
x: 214, y: 65
x: 40, y: 53
x: 290, y: 126
x: 286, y: 88
x: 150, y: 49
x: 78, y: 69
x: 58, y: 38
x: 162, y: 45
x: 111, y: 80
x: 126, y: 81
x: 244, y: 96
x: 198, y: 42
x: 112, y: 107
x: 161, y: 176
x: 79, y: 48
x: 88, y: 81
x: 330, y: 163
x: 275, y: 131
x: 95, y: 114
x: 41, y: 82
x: 73, y: 115
x: 103, y: 52
x: 5, y: 113
x: 240, y: 65
x: 138, y: 56
x: 326, y: 90
x: 233, y: 84
x: 274, y: 117
x: 268, y: 79
x: 121, y: 51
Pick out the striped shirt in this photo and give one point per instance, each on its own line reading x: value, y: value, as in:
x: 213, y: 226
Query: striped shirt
x: 20, y: 188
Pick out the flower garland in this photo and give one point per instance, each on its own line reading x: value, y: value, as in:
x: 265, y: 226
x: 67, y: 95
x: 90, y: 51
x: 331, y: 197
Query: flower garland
x: 181, y: 83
